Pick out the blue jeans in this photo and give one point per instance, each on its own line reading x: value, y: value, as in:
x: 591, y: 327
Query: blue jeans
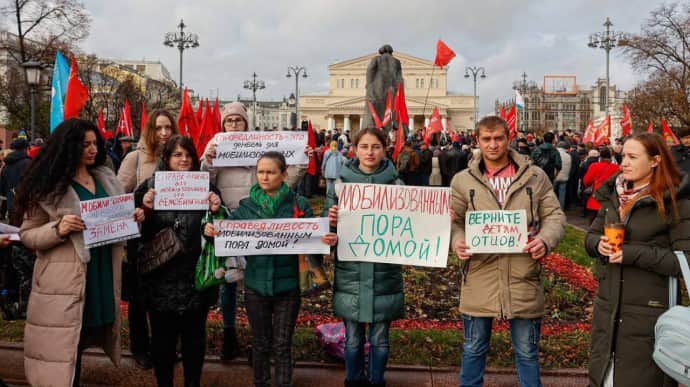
x: 561, y: 188
x: 354, y: 350
x: 525, y: 336
x: 228, y: 303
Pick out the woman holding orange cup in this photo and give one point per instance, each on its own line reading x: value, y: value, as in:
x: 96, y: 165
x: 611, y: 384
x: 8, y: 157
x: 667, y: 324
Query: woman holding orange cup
x: 644, y: 218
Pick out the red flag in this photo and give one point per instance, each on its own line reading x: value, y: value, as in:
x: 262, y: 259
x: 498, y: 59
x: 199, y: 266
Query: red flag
x: 403, y: 119
x: 603, y: 132
x: 435, y: 124
x: 511, y: 119
x: 502, y: 112
x: 124, y: 125
x: 198, y: 115
x: 626, y: 122
x: 589, y: 133
x: 668, y: 134
x: 106, y: 134
x: 374, y: 116
x: 311, y: 141
x: 208, y: 129
x: 77, y: 94
x: 650, y: 128
x: 144, y: 117
x: 443, y: 54
x: 186, y: 121
x: 217, y: 117
x: 387, y: 115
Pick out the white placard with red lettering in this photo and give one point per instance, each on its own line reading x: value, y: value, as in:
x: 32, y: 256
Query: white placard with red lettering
x: 396, y: 224
x: 496, y: 231
x: 235, y: 149
x: 108, y: 220
x: 181, y: 191
x: 271, y: 237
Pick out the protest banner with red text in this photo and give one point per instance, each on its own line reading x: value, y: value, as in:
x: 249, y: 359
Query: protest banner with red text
x: 181, y: 190
x: 496, y: 231
x: 270, y: 237
x: 237, y: 149
x: 108, y: 220
x: 393, y: 224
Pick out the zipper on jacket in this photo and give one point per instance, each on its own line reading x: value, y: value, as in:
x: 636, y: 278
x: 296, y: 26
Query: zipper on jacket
x: 474, y: 208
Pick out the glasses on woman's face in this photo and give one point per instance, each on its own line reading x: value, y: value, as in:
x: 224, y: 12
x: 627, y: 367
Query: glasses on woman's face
x: 234, y: 122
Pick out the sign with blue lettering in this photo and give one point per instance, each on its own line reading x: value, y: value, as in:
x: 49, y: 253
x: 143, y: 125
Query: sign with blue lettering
x: 496, y: 231
x: 396, y: 224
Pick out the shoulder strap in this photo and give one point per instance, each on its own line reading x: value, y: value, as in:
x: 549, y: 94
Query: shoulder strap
x: 137, y: 167
x: 673, y: 281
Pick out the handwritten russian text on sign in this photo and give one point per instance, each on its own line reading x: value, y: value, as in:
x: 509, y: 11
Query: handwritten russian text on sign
x: 181, y: 191
x: 108, y: 220
x: 270, y: 237
x: 394, y: 224
x: 244, y: 148
x: 496, y: 231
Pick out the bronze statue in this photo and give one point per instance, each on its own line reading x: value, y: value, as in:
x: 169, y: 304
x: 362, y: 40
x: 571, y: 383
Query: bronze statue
x: 384, y: 73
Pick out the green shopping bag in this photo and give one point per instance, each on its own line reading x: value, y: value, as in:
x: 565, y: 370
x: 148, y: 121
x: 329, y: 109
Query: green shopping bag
x: 209, y: 267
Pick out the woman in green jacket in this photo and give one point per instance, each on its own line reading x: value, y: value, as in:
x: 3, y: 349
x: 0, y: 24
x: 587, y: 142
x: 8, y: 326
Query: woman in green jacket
x: 272, y: 291
x: 367, y: 293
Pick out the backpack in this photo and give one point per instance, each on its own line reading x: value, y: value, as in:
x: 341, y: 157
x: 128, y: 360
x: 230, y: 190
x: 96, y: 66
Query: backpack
x: 544, y: 160
x: 672, y: 332
x: 404, y: 161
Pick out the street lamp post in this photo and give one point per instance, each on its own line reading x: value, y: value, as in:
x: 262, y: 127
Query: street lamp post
x: 33, y: 78
x: 605, y: 40
x: 482, y: 74
x: 254, y: 85
x: 182, y: 41
x: 524, y: 87
x: 296, y: 71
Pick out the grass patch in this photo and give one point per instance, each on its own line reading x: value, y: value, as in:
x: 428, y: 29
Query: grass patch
x: 573, y: 246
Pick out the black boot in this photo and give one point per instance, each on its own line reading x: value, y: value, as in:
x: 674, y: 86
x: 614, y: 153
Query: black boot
x: 357, y: 383
x: 231, y: 348
x: 382, y: 384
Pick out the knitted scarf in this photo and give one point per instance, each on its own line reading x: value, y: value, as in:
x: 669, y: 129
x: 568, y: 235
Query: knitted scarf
x: 628, y: 196
x: 268, y: 205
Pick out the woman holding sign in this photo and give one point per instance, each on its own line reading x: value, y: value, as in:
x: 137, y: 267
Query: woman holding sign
x: 644, y: 217
x: 272, y: 291
x: 367, y: 293
x: 176, y: 308
x: 136, y: 167
x: 75, y: 298
x: 234, y: 184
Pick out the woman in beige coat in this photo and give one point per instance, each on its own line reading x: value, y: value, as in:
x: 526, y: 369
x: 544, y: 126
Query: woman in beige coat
x: 75, y: 295
x: 135, y: 169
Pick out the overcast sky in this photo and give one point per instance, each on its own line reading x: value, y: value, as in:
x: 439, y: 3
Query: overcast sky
x: 238, y: 37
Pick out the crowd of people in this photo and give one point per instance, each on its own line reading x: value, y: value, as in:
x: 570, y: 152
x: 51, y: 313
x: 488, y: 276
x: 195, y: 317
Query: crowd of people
x: 75, y: 292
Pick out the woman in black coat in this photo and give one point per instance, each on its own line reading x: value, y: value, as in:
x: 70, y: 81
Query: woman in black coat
x: 176, y: 308
x: 652, y: 200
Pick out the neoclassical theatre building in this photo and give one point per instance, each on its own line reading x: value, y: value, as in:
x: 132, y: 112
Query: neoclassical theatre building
x: 343, y: 106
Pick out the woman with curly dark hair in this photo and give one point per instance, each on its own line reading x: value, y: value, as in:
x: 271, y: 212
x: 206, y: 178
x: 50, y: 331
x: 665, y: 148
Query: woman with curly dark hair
x: 75, y: 295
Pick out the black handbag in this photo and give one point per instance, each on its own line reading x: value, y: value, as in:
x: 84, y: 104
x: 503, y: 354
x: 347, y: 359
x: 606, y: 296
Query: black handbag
x: 165, y: 246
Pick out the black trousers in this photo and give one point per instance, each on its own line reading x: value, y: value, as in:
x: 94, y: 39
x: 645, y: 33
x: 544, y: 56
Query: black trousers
x: 272, y: 320
x: 139, y: 342
x: 190, y: 327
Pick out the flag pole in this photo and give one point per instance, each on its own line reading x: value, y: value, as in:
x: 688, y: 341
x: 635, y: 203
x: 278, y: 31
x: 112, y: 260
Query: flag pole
x: 427, y: 91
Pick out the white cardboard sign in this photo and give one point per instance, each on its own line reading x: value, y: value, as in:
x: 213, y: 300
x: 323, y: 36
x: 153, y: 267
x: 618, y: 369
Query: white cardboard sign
x: 396, y: 224
x: 270, y: 237
x: 245, y: 148
x: 181, y: 191
x: 108, y: 220
x: 496, y: 231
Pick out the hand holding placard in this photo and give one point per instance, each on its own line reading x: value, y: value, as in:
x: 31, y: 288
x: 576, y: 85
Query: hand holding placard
x: 496, y: 231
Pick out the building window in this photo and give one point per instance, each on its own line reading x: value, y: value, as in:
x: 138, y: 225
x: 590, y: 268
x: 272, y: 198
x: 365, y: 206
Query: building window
x: 602, y: 98
x: 342, y: 81
x: 535, y: 116
x: 550, y: 116
x: 421, y: 83
x: 141, y: 68
x: 417, y: 83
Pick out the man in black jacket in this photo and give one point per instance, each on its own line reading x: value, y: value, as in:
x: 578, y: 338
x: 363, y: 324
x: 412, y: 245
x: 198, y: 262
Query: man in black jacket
x: 456, y: 160
x: 681, y: 152
x: 15, y: 164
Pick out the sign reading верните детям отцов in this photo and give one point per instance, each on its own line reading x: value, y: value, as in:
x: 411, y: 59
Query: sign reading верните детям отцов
x: 270, y: 237
x: 236, y: 149
x: 393, y: 224
x: 496, y: 231
x: 181, y: 191
x: 108, y: 220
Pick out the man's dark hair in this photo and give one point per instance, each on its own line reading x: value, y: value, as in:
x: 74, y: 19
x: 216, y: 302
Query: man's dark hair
x: 605, y: 153
x: 492, y: 122
x: 548, y: 137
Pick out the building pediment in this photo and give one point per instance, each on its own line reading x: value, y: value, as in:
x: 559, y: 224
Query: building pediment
x: 406, y: 61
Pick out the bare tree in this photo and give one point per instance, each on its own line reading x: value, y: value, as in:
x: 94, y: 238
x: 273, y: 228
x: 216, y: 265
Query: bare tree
x: 49, y: 23
x: 662, y: 51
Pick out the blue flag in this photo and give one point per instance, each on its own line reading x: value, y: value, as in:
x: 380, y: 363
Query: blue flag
x: 59, y: 89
